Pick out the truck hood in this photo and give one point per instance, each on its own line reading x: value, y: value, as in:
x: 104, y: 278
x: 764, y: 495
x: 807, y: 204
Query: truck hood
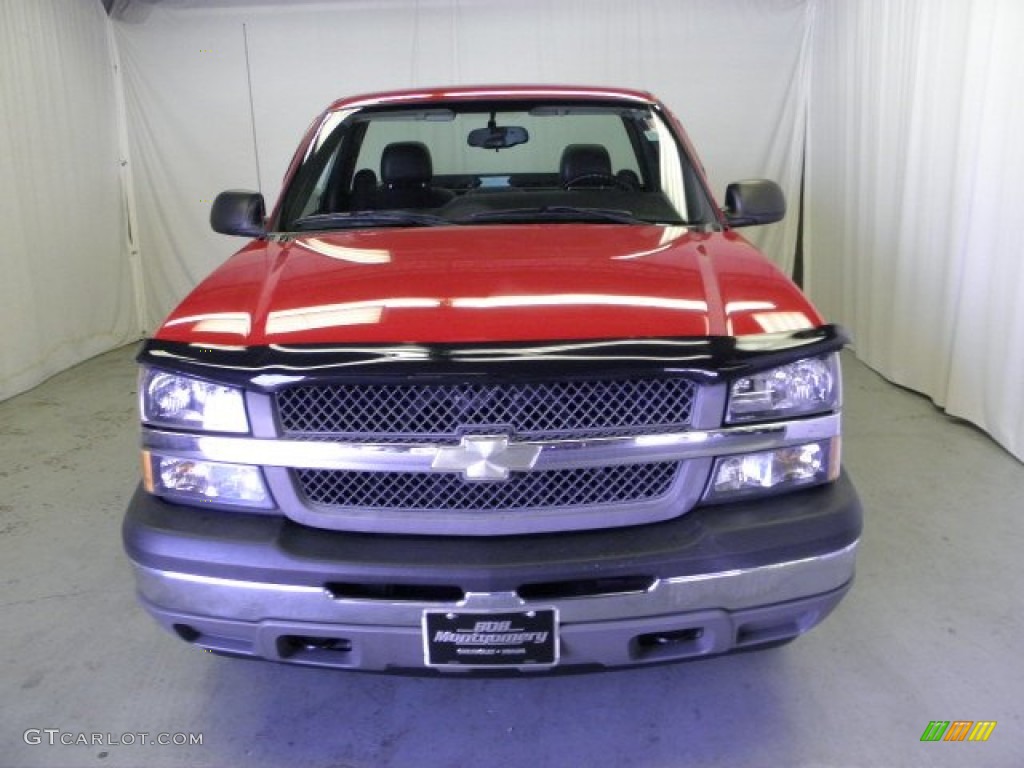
x: 470, y: 284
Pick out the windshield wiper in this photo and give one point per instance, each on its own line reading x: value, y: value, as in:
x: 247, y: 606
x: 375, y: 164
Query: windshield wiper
x: 355, y: 219
x: 566, y: 213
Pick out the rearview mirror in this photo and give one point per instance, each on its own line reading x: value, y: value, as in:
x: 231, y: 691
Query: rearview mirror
x: 498, y: 136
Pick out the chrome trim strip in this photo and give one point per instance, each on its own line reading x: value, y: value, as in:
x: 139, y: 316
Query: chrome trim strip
x: 551, y: 454
x: 731, y: 590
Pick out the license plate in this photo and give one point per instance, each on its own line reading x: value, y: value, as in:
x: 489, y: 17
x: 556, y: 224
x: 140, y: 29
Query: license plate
x: 479, y: 639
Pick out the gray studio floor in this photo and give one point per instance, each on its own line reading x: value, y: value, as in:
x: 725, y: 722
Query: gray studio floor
x: 931, y: 631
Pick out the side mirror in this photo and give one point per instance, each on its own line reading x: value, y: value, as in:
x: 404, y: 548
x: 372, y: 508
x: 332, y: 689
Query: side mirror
x: 237, y: 212
x: 757, y: 201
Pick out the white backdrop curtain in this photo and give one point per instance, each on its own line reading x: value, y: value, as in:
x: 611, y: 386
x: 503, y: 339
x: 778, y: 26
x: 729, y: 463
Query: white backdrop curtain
x: 66, y: 285
x: 914, y: 197
x: 733, y: 70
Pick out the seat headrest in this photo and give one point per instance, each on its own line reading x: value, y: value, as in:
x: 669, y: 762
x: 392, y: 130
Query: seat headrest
x: 364, y: 180
x: 583, y: 160
x: 405, y: 163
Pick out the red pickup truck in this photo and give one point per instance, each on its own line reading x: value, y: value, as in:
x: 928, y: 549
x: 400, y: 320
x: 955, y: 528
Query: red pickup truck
x: 496, y: 386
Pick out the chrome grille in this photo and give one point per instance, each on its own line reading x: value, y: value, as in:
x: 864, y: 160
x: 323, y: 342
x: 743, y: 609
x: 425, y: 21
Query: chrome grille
x: 565, y: 409
x: 564, y: 488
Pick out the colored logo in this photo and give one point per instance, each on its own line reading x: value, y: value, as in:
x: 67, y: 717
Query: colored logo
x: 958, y: 730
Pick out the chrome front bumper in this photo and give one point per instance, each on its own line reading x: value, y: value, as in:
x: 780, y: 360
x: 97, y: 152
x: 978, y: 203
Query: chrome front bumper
x: 675, y: 619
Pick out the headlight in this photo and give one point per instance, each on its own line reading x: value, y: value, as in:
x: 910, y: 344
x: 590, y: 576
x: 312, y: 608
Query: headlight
x: 797, y: 389
x: 174, y: 400
x: 783, y: 469
x: 209, y: 482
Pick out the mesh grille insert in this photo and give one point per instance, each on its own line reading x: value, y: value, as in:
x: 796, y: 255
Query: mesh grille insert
x: 530, y: 490
x: 552, y: 409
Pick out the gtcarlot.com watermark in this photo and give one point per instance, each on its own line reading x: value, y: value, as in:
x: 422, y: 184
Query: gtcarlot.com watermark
x: 57, y: 737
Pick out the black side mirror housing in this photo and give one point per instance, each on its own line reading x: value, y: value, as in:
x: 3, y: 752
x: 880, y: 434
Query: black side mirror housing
x: 239, y: 212
x: 752, y: 202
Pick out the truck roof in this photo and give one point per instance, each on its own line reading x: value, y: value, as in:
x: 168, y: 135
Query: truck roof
x: 493, y: 92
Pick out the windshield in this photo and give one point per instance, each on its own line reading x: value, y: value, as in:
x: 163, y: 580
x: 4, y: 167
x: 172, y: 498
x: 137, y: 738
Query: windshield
x: 494, y: 162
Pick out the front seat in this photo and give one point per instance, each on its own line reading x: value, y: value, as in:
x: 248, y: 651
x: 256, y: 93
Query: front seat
x: 405, y: 173
x: 586, y: 165
x: 364, y: 190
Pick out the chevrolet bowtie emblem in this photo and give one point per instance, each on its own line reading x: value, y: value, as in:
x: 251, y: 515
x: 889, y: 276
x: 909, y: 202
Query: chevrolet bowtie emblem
x: 486, y: 457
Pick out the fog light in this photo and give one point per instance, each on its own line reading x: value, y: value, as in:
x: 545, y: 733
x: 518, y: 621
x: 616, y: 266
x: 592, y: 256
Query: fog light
x: 772, y: 471
x: 209, y: 482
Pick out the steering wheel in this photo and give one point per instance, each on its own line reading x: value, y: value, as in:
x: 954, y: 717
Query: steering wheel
x: 612, y: 181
